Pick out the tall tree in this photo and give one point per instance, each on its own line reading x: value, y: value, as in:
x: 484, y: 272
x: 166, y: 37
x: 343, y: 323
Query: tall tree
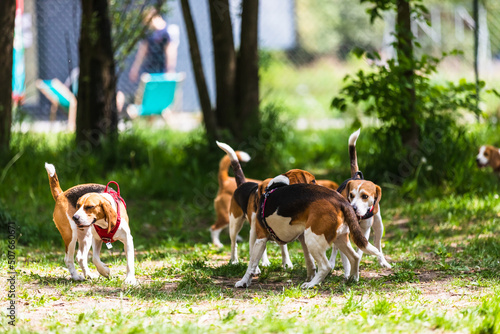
x: 201, y: 84
x: 236, y: 108
x: 7, y: 16
x: 97, y: 114
x: 406, y: 58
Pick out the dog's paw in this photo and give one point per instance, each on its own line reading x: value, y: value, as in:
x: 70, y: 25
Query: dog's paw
x: 130, y: 280
x: 92, y: 276
x: 235, y: 261
x: 266, y: 263
x: 104, y: 271
x: 353, y: 279
x: 307, y: 285
x: 218, y: 244
x: 256, y: 271
x: 384, y: 263
x: 77, y: 277
x: 242, y: 284
x: 288, y: 266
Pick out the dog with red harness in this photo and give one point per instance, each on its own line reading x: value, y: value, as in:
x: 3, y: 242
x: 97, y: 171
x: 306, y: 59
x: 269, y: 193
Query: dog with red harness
x: 91, y: 214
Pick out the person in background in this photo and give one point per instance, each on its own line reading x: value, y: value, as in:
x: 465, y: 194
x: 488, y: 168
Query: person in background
x: 157, y: 52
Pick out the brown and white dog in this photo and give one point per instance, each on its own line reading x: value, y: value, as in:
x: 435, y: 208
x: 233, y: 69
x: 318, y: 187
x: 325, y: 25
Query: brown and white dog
x: 315, y: 215
x: 364, y: 197
x: 227, y: 186
x: 489, y: 155
x: 76, y: 210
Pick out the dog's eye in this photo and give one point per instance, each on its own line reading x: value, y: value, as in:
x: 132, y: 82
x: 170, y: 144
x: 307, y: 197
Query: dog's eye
x: 486, y: 154
x: 88, y: 207
x: 78, y: 206
x: 364, y: 197
x: 351, y: 196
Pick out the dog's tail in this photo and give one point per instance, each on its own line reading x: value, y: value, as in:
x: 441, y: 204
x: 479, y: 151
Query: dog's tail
x: 225, y: 162
x: 352, y: 152
x: 55, y: 188
x: 235, y: 164
x: 354, y: 229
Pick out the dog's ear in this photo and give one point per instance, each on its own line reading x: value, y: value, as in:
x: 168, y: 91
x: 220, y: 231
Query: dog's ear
x: 378, y: 196
x: 263, y: 186
x: 347, y: 190
x: 299, y: 176
x: 494, y: 158
x: 110, y: 214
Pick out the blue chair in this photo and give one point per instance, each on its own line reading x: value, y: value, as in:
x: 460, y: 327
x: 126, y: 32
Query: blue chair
x: 60, y: 97
x: 155, y: 94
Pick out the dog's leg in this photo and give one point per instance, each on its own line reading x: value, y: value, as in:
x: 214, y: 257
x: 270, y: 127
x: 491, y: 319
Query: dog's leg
x: 318, y: 246
x: 285, y: 258
x: 70, y: 238
x: 378, y: 231
x: 251, y: 242
x: 350, y: 258
x: 96, y: 257
x: 69, y: 259
x: 84, y: 243
x: 365, y: 226
x: 311, y: 268
x: 235, y: 225
x: 128, y: 245
x: 333, y: 257
x: 215, y: 237
x: 257, y: 250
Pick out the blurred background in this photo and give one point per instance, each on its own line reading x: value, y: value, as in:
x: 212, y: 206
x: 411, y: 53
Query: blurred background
x: 305, y: 47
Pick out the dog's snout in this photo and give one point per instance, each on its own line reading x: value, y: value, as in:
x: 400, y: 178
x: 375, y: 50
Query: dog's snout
x: 76, y: 218
x: 355, y: 207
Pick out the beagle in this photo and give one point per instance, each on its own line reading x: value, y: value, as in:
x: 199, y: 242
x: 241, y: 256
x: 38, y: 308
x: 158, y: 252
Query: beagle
x: 227, y: 186
x: 315, y: 215
x: 223, y: 204
x: 83, y: 213
x: 489, y: 155
x: 364, y: 197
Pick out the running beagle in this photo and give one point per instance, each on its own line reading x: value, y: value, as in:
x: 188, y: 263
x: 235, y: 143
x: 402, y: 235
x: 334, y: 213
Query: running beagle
x: 315, y: 215
x: 364, y: 197
x: 489, y: 155
x: 90, y: 214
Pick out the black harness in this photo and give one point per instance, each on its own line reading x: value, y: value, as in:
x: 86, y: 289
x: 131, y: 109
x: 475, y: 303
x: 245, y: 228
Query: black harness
x: 262, y: 219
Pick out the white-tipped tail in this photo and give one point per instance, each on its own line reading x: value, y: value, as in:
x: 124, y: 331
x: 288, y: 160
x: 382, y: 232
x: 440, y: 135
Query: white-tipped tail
x: 51, y: 170
x: 279, y: 179
x: 244, y: 156
x: 353, y: 137
x: 230, y: 152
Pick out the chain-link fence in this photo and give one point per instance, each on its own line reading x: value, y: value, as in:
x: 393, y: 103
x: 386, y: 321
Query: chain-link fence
x: 300, y: 33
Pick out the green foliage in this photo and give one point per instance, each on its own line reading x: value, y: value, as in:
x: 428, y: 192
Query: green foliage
x: 335, y: 27
x: 422, y: 137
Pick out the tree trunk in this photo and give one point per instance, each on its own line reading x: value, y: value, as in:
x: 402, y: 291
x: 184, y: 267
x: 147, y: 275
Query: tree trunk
x: 7, y: 16
x: 225, y: 62
x: 97, y: 116
x: 247, y: 74
x: 206, y: 106
x: 410, y: 134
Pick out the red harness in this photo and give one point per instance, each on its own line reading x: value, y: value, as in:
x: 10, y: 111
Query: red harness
x: 106, y: 236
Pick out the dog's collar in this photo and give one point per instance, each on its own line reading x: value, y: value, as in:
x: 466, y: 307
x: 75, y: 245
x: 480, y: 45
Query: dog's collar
x: 103, y: 233
x: 357, y: 176
x: 263, y: 217
x: 369, y: 214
